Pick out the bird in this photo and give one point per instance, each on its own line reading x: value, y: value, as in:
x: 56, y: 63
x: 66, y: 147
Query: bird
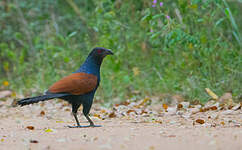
x: 78, y: 88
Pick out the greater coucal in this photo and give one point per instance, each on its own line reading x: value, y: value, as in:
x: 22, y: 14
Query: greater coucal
x: 78, y: 88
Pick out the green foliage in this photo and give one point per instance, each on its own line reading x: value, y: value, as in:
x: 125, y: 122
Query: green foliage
x: 181, y: 47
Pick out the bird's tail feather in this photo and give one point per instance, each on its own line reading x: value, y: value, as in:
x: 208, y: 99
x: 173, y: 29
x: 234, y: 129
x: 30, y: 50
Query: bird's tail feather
x: 37, y: 99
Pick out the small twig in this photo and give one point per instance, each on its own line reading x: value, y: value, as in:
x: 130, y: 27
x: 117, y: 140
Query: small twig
x: 179, y: 15
x: 235, y: 71
x: 158, y: 73
x: 55, y: 23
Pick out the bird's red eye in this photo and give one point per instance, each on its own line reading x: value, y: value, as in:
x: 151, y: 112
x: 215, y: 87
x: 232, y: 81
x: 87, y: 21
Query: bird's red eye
x: 99, y: 51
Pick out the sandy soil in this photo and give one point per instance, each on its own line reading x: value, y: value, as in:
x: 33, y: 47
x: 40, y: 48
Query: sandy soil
x: 119, y: 133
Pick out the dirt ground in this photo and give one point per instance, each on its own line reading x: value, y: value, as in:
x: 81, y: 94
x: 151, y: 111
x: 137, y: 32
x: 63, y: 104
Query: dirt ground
x: 43, y: 126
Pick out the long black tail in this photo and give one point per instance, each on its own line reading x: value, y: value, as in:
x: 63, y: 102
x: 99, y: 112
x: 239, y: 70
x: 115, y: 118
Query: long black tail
x: 37, y: 99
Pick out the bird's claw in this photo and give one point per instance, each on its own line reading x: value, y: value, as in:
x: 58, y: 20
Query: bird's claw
x: 85, y: 126
x: 95, y: 125
x: 77, y: 126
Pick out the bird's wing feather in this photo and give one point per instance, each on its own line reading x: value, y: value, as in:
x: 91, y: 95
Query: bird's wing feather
x: 76, y: 84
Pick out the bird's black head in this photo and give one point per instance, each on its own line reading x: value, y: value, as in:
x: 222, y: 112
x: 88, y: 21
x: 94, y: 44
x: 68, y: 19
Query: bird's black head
x: 101, y: 52
x: 98, y: 53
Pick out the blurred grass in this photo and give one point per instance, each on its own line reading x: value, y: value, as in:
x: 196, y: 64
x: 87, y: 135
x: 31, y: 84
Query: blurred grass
x: 198, y: 46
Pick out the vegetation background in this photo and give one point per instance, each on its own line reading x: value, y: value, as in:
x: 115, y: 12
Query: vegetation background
x: 172, y: 47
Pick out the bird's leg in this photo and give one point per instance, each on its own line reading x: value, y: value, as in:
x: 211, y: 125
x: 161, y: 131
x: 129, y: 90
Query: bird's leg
x: 91, y: 122
x: 77, y: 121
x: 74, y: 112
x: 79, y: 126
x: 86, y: 109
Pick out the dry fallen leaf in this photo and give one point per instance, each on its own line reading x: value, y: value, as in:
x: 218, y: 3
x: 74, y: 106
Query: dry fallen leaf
x: 112, y: 115
x: 131, y: 110
x: 48, y: 130
x: 67, y: 109
x: 203, y: 109
x: 213, y: 108
x: 144, y: 101
x: 116, y: 105
x: 103, y: 111
x: 222, y: 123
x: 201, y: 121
x: 157, y: 121
x: 143, y: 112
x: 179, y: 106
x: 97, y: 115
x: 42, y: 113
x: 211, y: 93
x: 125, y: 103
x: 165, y: 106
x: 34, y: 141
x: 30, y: 127
x: 59, y: 121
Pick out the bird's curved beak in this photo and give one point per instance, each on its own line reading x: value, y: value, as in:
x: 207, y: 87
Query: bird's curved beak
x: 108, y: 52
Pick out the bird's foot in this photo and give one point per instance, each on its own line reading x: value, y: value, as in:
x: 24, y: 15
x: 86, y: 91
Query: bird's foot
x: 85, y: 126
x: 93, y: 125
x: 77, y: 126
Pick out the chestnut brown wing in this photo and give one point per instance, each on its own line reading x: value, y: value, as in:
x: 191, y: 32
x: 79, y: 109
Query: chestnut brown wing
x: 76, y: 84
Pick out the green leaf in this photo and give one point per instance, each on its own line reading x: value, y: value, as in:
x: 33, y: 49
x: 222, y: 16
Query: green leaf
x: 153, y: 36
x: 72, y: 34
x: 157, y: 16
x: 66, y: 59
x: 146, y: 17
x: 219, y: 21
